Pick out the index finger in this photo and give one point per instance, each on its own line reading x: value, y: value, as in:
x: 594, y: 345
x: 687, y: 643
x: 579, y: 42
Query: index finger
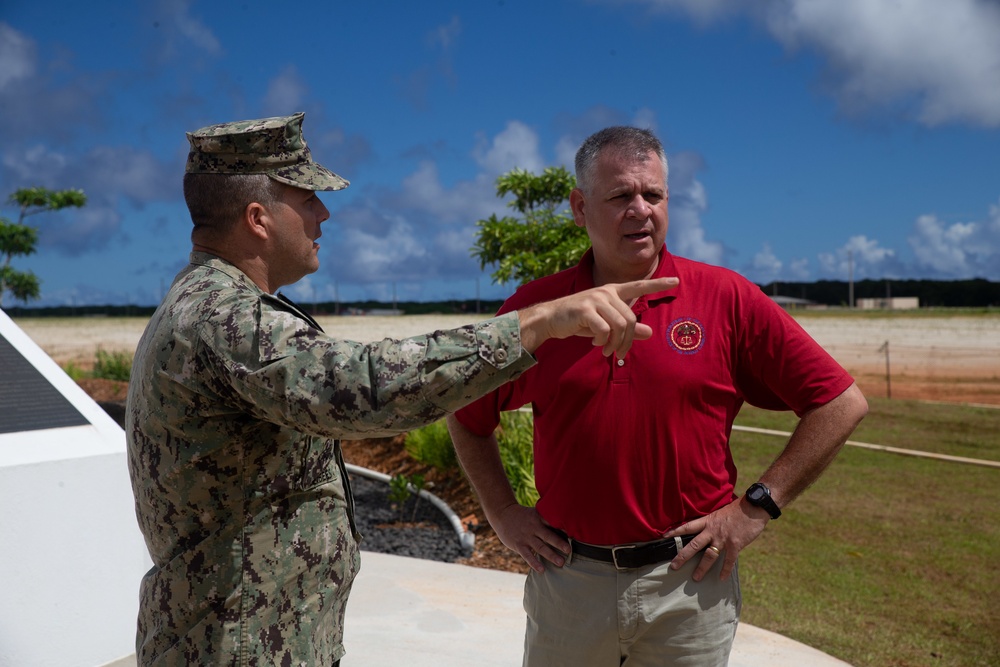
x: 628, y: 291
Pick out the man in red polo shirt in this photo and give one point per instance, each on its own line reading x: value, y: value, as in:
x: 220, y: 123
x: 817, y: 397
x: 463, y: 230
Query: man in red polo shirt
x: 637, y: 509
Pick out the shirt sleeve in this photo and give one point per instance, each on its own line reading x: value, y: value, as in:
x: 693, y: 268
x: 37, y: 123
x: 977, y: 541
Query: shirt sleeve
x: 295, y: 375
x: 482, y: 416
x: 783, y: 367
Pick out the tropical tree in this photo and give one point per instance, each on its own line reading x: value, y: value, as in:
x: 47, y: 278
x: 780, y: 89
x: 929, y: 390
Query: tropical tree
x: 19, y: 240
x: 543, y: 239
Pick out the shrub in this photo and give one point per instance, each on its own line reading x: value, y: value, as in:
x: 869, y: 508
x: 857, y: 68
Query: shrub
x: 401, y: 488
x: 75, y: 372
x: 516, y: 439
x: 112, y: 366
x: 432, y: 445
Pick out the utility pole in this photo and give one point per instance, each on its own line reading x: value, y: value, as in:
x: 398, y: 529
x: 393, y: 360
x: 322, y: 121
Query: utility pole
x: 850, y: 279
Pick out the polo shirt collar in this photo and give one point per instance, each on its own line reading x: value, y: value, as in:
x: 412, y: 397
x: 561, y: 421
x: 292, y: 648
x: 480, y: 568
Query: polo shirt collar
x: 665, y: 269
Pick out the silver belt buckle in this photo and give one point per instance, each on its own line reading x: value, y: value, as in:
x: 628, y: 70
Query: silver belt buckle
x: 614, y: 554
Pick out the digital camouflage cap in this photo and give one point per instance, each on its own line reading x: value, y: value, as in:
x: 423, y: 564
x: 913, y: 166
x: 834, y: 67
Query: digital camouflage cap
x: 272, y: 146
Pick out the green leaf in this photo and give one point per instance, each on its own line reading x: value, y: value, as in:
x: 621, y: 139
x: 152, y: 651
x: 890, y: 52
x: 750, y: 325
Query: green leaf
x: 544, y: 240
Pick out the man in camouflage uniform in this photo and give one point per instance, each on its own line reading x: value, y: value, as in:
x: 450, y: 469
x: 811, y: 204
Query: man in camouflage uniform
x: 237, y: 400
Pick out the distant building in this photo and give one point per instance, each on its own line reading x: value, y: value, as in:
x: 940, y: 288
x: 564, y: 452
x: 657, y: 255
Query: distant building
x: 889, y: 303
x: 791, y: 303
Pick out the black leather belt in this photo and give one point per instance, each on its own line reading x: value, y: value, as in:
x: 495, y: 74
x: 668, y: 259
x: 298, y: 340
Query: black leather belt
x: 630, y: 556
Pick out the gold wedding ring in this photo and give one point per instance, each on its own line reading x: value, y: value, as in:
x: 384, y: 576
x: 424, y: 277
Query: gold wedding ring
x: 713, y: 548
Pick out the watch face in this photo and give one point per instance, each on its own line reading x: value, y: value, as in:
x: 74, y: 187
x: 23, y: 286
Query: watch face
x: 756, y: 493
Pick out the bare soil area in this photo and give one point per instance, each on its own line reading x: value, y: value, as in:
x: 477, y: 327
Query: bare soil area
x: 951, y: 359
x: 954, y: 359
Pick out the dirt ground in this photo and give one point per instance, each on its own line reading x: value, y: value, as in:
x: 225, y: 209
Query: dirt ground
x: 955, y: 359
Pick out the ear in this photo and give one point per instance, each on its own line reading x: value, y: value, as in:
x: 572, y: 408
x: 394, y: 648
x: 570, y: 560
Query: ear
x: 256, y: 220
x: 577, y: 202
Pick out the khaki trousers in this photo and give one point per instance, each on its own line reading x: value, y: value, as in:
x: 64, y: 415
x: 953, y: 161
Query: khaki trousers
x: 589, y: 614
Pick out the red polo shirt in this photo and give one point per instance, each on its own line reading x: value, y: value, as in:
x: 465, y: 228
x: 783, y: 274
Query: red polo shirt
x: 626, y: 449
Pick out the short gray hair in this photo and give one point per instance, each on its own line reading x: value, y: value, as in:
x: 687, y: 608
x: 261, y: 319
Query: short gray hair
x: 216, y: 201
x: 632, y: 141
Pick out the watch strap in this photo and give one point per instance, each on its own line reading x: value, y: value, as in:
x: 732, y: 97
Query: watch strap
x: 760, y: 496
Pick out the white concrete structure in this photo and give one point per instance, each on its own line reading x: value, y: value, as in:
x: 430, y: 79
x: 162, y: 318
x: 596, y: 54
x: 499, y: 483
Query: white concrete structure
x: 890, y: 303
x: 71, y: 555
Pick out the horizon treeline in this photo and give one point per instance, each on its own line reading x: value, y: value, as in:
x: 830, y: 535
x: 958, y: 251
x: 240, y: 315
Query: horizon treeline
x: 971, y: 293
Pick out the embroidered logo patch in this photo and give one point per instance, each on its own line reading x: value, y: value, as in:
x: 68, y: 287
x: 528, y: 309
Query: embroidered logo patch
x: 686, y: 335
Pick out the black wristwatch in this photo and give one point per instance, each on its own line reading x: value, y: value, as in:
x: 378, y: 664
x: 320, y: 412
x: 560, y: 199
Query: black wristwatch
x: 760, y: 496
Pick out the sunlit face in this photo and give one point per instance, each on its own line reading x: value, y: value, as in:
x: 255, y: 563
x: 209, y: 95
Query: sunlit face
x: 625, y: 215
x: 297, y: 218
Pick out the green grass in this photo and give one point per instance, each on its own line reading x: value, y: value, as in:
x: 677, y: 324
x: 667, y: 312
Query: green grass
x: 107, y: 366
x: 887, y: 560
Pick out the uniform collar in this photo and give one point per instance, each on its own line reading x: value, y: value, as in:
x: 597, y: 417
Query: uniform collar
x: 216, y: 263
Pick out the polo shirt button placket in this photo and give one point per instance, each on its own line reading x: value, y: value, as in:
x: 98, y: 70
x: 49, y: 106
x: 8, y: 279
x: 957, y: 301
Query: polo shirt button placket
x: 619, y: 371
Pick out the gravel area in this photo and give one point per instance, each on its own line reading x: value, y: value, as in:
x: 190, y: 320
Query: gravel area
x: 417, y: 528
x: 426, y: 533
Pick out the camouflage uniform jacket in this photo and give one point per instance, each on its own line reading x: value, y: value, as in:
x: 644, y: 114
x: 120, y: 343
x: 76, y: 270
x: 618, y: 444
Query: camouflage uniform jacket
x: 234, y: 408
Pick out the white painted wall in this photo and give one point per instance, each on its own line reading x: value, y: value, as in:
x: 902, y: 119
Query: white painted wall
x: 71, y: 555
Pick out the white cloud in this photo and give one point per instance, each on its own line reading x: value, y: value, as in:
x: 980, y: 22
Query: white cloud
x: 688, y: 201
x: 302, y: 291
x: 942, y: 59
x: 446, y: 34
x: 26, y: 164
x: 945, y: 55
x: 645, y: 118
x: 515, y: 146
x: 285, y: 93
x: 577, y: 127
x: 941, y: 250
x: 124, y: 171
x: 113, y: 171
x: 18, y: 58
x: 798, y: 270
x: 398, y: 252
x: 38, y: 100
x: 859, y: 258
x: 416, y: 85
x: 73, y: 232
x: 420, y: 232
x: 765, y: 266
x: 465, y: 201
x: 958, y: 250
x: 566, y: 149
x: 190, y: 28
x: 106, y: 174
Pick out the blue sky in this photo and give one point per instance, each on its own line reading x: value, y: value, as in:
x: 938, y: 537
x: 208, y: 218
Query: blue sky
x: 799, y: 132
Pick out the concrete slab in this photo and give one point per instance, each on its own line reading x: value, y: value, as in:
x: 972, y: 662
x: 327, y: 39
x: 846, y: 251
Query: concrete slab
x: 422, y: 613
x: 425, y: 613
